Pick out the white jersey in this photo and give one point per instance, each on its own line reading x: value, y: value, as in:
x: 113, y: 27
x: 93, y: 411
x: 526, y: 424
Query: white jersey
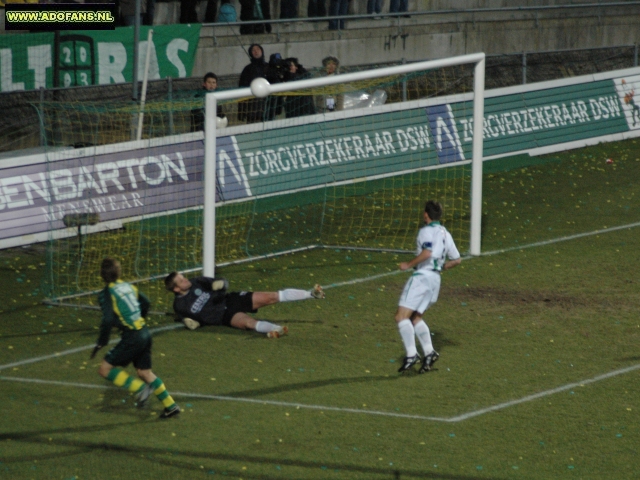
x: 438, y: 240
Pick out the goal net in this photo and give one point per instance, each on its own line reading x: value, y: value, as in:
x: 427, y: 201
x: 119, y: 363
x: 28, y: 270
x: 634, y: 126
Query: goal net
x: 355, y: 176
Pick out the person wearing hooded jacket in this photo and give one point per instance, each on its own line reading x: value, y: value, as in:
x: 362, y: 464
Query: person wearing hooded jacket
x: 252, y: 111
x: 257, y: 109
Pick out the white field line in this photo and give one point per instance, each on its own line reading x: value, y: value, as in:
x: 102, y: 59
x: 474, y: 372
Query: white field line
x: 232, y: 399
x: 457, y: 418
x: 545, y: 393
x: 564, y: 239
x: 74, y: 350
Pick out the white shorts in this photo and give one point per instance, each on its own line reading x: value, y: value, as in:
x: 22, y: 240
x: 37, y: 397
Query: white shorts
x: 420, y: 292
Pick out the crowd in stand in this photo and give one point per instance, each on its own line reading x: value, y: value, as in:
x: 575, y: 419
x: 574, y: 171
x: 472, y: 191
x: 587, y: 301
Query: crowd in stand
x: 276, y: 70
x: 255, y: 10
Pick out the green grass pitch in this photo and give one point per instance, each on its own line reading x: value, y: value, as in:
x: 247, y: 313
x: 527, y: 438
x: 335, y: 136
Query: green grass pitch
x: 538, y: 376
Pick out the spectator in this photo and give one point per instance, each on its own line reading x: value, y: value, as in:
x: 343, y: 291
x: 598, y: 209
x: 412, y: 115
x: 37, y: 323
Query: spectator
x: 209, y: 84
x: 252, y: 111
x: 255, y: 10
x: 397, y: 6
x: 210, y: 12
x: 375, y: 7
x: 317, y: 8
x: 330, y: 102
x: 227, y: 13
x: 331, y: 65
x: 150, y: 12
x: 188, y: 12
x: 337, y: 8
x: 288, y: 8
x: 276, y: 71
x: 297, y: 105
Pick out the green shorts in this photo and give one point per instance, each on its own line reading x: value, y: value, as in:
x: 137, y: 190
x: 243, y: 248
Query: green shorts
x: 134, y: 347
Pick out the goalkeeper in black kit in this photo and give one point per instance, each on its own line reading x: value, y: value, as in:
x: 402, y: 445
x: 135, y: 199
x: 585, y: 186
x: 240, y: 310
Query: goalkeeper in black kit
x: 123, y: 307
x: 205, y: 301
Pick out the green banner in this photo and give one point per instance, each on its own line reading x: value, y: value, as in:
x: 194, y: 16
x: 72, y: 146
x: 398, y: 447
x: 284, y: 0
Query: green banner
x: 94, y: 57
x: 549, y: 116
x: 286, y: 157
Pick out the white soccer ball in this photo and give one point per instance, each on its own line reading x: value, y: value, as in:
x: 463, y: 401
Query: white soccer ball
x: 221, y: 122
x: 260, y: 87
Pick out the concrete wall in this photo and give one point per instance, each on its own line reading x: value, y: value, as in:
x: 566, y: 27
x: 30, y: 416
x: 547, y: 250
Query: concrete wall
x: 424, y: 36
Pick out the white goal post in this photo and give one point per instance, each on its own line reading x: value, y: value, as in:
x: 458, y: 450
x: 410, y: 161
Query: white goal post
x: 261, y: 89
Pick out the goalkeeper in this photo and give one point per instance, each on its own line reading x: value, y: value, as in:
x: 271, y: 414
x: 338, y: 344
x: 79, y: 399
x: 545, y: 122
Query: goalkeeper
x: 205, y: 301
x: 123, y: 307
x: 421, y: 291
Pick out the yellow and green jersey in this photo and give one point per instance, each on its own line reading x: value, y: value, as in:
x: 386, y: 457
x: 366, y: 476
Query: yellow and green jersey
x: 123, y: 307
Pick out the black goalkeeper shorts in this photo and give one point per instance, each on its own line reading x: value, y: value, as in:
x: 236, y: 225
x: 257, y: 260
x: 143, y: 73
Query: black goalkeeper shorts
x: 237, y: 302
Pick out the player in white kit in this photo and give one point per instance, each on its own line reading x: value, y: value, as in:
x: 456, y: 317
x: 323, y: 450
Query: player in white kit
x: 436, y: 252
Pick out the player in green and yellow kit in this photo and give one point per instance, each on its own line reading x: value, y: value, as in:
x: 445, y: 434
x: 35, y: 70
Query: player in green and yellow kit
x: 124, y: 307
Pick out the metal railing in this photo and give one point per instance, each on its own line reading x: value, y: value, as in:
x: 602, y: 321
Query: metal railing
x: 400, y: 17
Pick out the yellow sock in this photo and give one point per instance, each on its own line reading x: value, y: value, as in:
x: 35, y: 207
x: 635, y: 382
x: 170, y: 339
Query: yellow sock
x: 120, y: 378
x: 160, y: 391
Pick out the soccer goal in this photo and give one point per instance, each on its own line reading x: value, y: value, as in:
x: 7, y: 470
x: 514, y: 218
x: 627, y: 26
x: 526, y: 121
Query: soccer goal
x: 345, y: 178
x: 345, y: 162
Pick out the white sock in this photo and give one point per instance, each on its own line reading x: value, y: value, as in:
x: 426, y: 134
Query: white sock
x: 262, y: 326
x: 408, y: 335
x: 424, y: 336
x: 293, y: 295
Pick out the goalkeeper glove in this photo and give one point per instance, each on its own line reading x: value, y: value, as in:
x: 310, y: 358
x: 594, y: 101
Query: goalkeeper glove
x: 219, y: 284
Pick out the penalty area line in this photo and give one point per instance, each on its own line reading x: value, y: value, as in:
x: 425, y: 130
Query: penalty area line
x: 545, y: 393
x: 455, y: 419
x: 563, y: 239
x: 232, y: 399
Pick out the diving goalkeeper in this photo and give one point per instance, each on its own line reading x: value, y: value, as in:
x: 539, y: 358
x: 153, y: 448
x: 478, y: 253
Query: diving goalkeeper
x: 206, y: 301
